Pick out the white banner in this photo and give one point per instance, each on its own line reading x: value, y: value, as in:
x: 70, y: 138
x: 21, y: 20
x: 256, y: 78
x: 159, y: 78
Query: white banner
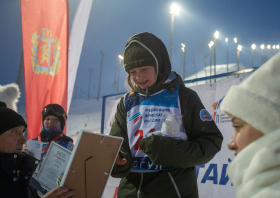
x: 211, y: 177
x: 76, y: 40
x: 110, y: 110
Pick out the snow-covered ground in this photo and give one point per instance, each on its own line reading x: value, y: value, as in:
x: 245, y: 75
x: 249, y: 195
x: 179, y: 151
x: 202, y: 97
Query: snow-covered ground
x: 84, y: 114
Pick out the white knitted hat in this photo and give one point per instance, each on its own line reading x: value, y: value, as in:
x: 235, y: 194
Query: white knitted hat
x: 257, y: 100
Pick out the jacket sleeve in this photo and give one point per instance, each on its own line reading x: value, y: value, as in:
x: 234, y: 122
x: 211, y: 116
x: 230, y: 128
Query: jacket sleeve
x: 204, y: 138
x: 119, y: 128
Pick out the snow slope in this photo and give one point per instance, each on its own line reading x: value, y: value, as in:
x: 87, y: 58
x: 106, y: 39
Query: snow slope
x: 220, y: 69
x: 84, y: 114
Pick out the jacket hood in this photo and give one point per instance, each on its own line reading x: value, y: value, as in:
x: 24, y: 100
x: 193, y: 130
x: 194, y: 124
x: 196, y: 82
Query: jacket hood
x: 158, y: 51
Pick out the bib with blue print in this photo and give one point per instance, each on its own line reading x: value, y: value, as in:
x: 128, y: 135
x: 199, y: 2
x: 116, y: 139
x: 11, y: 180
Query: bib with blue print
x: 145, y: 115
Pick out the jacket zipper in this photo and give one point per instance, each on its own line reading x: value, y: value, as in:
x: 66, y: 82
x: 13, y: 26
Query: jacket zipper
x: 174, y: 184
x: 140, y: 185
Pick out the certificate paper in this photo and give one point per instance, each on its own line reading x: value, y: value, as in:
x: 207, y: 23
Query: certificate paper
x: 35, y: 147
x: 55, y: 163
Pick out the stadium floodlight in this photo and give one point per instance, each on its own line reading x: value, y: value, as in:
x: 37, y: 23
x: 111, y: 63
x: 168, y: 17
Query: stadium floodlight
x: 174, y: 10
x: 239, y: 47
x: 268, y: 46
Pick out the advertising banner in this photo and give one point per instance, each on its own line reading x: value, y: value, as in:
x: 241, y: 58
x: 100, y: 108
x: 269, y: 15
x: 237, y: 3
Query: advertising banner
x: 45, y: 52
x: 211, y: 177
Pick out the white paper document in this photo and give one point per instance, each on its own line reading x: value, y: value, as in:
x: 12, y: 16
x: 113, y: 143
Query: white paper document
x: 35, y: 147
x: 54, y: 164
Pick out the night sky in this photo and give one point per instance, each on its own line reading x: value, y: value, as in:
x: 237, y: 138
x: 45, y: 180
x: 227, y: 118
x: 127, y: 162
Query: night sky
x: 113, y: 22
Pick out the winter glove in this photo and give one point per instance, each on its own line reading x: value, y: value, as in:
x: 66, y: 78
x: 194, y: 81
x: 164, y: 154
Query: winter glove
x: 160, y: 149
x: 120, y: 171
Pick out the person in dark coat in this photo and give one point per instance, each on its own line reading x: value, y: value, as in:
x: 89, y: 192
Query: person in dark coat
x: 17, y: 167
x: 159, y: 166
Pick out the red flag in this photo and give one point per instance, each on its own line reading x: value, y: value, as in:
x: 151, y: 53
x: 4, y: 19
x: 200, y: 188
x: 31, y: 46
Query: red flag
x: 45, y: 44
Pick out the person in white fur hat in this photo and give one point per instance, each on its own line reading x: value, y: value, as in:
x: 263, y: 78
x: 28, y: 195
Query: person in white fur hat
x: 254, y: 107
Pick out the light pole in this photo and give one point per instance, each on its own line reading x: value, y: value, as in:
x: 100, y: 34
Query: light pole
x: 93, y: 91
x: 227, y: 52
x: 120, y: 61
x: 262, y: 47
x: 268, y: 47
x: 274, y: 47
x: 90, y: 70
x: 235, y: 40
x: 216, y: 36
x: 253, y: 48
x: 210, y: 46
x: 174, y: 10
x: 115, y: 83
x: 20, y: 70
x: 239, y: 48
x: 102, y: 55
x: 184, y: 58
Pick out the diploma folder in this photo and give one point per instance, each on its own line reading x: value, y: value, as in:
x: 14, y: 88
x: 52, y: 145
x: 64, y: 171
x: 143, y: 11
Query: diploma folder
x: 91, y: 163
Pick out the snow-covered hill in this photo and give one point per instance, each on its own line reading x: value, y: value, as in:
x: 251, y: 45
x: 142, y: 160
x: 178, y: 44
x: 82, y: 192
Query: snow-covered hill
x: 220, y: 69
x: 84, y: 114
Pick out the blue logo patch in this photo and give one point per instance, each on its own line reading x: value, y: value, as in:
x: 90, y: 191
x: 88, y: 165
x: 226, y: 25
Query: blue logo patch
x: 134, y: 116
x: 205, y: 115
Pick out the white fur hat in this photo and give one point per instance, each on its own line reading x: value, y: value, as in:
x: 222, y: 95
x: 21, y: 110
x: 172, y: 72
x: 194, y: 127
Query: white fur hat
x: 257, y: 100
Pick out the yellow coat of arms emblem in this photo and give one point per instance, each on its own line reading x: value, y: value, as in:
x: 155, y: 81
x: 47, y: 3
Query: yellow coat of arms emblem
x: 45, y: 50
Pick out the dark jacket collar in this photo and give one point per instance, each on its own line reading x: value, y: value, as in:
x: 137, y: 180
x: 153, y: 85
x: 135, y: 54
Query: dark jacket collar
x: 17, y: 166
